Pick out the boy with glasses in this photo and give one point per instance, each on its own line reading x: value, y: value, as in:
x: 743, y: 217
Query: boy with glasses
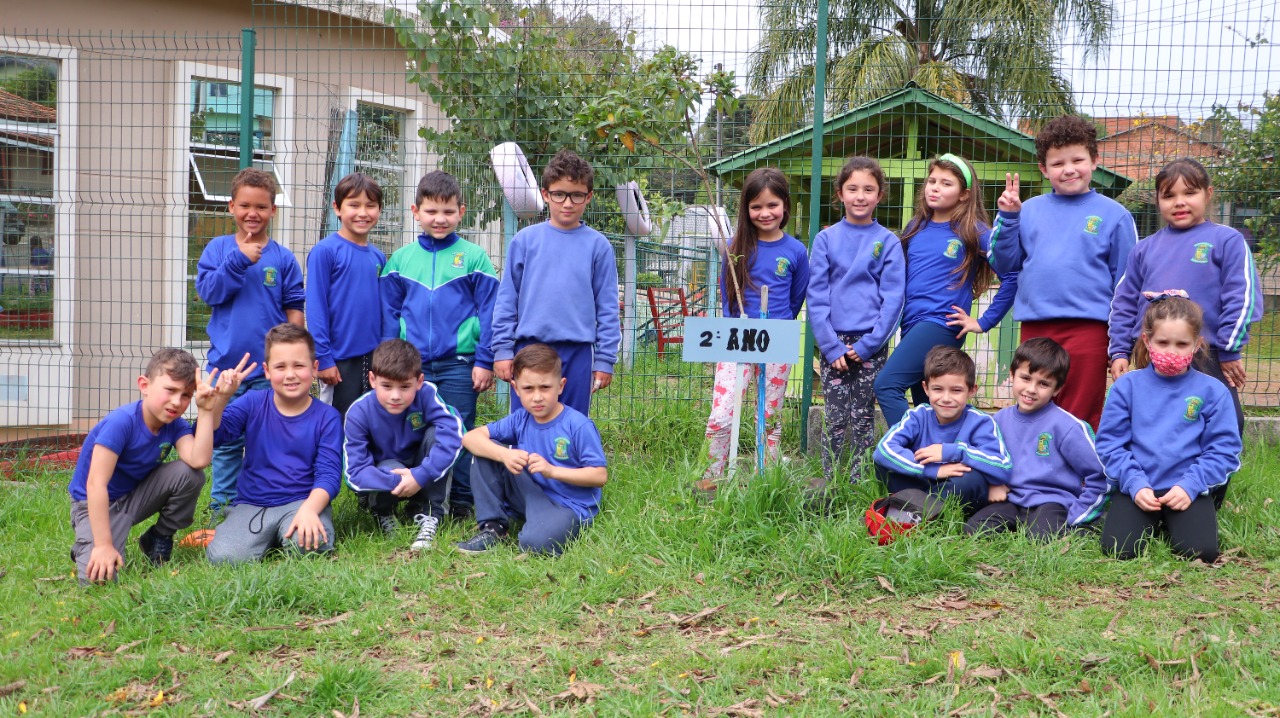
x: 560, y: 288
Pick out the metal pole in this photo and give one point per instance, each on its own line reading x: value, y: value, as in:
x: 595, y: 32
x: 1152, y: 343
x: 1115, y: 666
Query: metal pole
x: 719, y: 200
x: 815, y: 207
x: 509, y: 225
x: 248, y: 44
x: 629, y: 299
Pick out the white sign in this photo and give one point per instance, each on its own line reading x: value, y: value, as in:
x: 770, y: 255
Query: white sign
x: 745, y: 341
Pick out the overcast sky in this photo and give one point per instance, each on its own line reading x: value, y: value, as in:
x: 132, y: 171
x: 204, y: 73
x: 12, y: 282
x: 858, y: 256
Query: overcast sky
x: 1166, y: 56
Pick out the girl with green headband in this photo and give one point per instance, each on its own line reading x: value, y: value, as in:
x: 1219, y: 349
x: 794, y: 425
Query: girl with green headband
x: 947, y: 244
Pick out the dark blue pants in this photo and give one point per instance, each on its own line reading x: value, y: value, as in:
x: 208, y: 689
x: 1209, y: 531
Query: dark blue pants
x: 548, y: 526
x: 452, y: 378
x: 971, y: 488
x: 576, y: 360
x: 905, y: 368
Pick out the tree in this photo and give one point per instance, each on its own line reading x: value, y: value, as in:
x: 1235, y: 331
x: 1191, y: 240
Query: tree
x: 997, y: 57
x: 1249, y: 173
x: 512, y: 73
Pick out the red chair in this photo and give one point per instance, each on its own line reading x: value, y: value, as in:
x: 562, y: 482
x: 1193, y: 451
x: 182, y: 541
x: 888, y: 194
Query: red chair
x: 669, y: 307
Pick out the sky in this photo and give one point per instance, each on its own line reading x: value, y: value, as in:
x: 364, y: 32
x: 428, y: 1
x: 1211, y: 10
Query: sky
x: 1166, y: 56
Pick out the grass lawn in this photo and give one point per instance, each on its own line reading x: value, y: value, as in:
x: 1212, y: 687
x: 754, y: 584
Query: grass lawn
x: 747, y: 606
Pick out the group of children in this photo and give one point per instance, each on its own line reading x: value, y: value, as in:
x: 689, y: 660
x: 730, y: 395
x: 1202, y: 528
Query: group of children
x: 1168, y: 319
x: 409, y: 342
x: 406, y: 344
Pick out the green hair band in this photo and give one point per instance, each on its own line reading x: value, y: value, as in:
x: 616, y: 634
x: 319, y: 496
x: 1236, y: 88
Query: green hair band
x: 964, y: 167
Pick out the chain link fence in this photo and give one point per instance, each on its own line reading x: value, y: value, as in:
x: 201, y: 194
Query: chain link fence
x: 120, y: 132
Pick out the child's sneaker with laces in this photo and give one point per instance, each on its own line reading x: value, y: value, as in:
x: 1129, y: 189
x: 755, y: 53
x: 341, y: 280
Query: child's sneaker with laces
x: 488, y: 536
x: 158, y: 549
x: 426, y: 537
x: 388, y: 523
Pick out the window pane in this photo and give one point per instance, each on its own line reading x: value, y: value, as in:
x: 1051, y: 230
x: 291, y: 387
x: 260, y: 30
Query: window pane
x: 28, y: 109
x: 213, y: 174
x: 380, y: 154
x: 215, y: 113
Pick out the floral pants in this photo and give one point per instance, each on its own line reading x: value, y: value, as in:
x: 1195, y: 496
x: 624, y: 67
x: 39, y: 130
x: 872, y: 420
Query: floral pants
x: 720, y: 423
x: 850, y: 410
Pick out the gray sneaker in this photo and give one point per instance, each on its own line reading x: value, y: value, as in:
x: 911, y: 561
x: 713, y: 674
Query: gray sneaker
x: 488, y: 536
x: 426, y: 537
x: 388, y: 524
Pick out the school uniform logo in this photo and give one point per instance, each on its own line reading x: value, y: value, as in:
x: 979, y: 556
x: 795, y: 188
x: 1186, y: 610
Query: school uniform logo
x: 270, y: 276
x: 953, y: 249
x: 1042, y: 444
x: 1091, y: 224
x: 1194, y: 405
x: 165, y: 448
x: 783, y: 265
x: 562, y: 448
x: 1202, y: 250
x: 416, y: 421
x: 877, y: 248
x: 457, y: 260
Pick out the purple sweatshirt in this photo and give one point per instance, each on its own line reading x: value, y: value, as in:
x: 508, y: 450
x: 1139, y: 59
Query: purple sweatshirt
x: 1054, y: 462
x: 1212, y: 264
x: 856, y: 285
x: 783, y: 266
x: 373, y: 435
x: 973, y: 440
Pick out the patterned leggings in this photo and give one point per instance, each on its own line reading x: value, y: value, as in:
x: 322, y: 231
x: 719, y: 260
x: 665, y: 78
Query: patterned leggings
x: 719, y: 424
x: 850, y: 410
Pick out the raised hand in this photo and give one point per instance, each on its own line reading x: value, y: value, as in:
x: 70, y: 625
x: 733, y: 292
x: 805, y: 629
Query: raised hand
x: 206, y: 393
x: 230, y: 380
x: 1010, y: 200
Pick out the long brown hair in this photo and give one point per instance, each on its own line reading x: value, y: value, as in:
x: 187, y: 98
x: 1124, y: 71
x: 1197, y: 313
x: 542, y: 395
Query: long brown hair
x: 747, y: 238
x: 964, y: 223
x: 1162, y: 310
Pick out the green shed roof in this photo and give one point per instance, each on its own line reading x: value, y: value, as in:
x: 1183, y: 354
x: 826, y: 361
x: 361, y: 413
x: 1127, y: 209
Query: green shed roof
x: 886, y: 127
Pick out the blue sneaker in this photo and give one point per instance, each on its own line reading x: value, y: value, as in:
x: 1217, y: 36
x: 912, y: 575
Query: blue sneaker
x: 488, y: 536
x: 158, y: 549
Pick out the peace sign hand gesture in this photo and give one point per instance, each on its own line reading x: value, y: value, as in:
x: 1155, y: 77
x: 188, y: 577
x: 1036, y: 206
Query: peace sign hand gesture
x: 1010, y: 201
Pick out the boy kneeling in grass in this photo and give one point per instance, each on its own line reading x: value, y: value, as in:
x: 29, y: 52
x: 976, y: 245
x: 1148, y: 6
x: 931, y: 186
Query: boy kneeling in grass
x: 401, y: 442
x: 545, y: 461
x: 292, y: 470
x: 946, y: 447
x: 121, y: 478
x: 1057, y: 480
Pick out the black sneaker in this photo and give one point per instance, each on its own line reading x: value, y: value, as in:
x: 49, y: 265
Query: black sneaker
x: 155, y: 547
x: 489, y: 534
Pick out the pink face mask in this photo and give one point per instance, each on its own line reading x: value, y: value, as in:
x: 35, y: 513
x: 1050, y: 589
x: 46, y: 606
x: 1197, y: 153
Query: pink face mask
x: 1169, y: 363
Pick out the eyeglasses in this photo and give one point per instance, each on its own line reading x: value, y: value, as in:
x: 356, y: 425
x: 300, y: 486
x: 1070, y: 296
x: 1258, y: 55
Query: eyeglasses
x: 576, y: 197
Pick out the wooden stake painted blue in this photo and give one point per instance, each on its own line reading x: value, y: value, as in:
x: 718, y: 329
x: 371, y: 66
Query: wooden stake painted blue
x: 762, y: 441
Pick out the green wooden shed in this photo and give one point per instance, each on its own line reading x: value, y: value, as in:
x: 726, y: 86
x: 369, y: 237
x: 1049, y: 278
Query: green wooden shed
x: 903, y: 131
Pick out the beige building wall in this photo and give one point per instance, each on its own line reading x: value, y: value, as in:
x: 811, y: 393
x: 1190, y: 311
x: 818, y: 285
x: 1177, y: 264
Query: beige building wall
x: 130, y: 184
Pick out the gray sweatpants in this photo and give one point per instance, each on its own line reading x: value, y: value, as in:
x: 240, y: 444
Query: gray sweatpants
x: 249, y: 531
x: 170, y: 490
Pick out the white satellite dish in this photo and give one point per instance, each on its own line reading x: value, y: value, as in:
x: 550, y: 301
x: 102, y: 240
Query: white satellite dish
x: 518, y: 183
x: 635, y: 210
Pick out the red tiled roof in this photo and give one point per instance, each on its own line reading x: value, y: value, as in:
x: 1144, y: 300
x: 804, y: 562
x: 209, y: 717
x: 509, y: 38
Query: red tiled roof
x: 15, y: 107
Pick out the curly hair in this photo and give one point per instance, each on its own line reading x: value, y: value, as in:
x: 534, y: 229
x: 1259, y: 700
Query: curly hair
x: 1066, y: 131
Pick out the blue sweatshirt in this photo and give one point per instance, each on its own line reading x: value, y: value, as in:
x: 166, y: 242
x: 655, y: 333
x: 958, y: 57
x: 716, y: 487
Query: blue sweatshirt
x: 973, y: 440
x: 246, y: 298
x: 559, y: 286
x: 1054, y: 461
x: 1213, y: 264
x: 856, y: 281
x: 342, y: 292
x: 285, y: 457
x: 782, y: 265
x: 374, y: 435
x: 569, y: 440
x: 933, y: 285
x: 1188, y: 438
x: 1070, y: 251
x: 138, y: 451
x: 438, y: 295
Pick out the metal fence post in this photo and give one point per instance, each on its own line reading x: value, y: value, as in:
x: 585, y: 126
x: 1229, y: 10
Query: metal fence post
x: 248, y: 46
x: 815, y: 207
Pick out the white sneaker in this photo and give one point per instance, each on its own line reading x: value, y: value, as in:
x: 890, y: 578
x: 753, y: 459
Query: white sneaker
x: 426, y: 537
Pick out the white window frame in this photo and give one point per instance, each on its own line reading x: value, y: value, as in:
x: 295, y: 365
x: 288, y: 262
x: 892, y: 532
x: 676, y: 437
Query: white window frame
x: 415, y: 156
x: 44, y: 366
x: 177, y: 188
